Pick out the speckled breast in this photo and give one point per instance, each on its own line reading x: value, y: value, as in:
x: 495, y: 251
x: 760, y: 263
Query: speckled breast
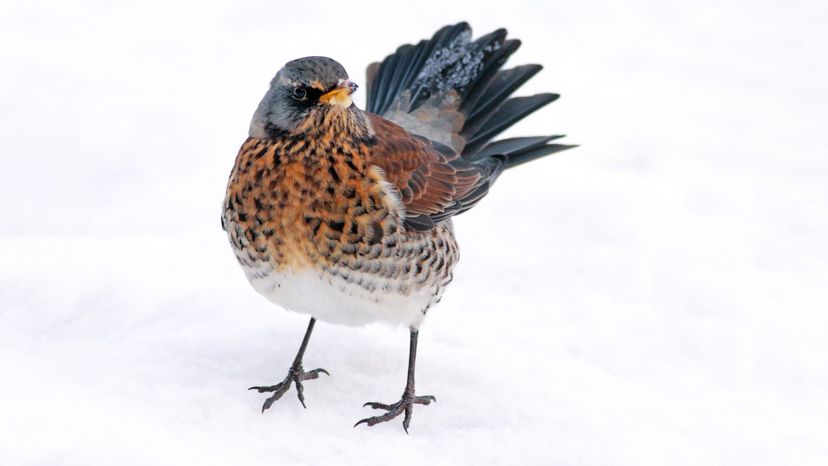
x: 319, y: 232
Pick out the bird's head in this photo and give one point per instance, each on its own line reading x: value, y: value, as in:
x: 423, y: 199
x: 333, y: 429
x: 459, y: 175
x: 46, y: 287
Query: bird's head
x: 303, y: 95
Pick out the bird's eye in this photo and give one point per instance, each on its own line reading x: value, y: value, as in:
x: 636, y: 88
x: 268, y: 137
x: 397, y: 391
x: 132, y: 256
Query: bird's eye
x: 299, y: 93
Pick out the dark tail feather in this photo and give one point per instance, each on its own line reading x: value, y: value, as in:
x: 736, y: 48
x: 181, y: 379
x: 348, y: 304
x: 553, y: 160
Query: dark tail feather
x: 507, y: 114
x: 418, y: 76
x: 518, y: 151
x: 460, y: 66
x: 497, y: 91
x: 400, y: 71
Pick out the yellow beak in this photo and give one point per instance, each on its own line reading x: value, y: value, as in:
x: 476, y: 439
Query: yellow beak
x: 340, y: 95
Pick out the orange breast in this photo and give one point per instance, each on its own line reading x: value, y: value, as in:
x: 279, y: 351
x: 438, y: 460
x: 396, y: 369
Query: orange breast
x: 298, y: 203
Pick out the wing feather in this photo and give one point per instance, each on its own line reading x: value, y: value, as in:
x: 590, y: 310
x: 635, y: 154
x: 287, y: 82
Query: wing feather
x: 433, y: 181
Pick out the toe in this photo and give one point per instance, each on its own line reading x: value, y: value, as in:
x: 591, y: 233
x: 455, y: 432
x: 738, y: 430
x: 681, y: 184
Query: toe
x: 269, y: 402
x: 300, y: 392
x: 375, y: 405
x: 407, y: 419
x: 314, y: 374
x: 267, y: 388
x: 424, y: 400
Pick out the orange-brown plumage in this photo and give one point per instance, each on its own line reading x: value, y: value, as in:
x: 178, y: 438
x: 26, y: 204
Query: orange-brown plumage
x: 324, y: 203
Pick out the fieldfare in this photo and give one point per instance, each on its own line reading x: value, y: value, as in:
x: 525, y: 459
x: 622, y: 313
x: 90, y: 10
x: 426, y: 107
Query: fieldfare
x: 346, y: 214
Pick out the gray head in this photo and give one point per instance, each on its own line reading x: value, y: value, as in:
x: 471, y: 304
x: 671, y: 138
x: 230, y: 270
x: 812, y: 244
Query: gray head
x: 300, y: 88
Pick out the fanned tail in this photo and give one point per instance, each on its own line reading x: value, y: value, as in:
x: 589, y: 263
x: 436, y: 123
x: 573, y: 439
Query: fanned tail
x: 453, y: 91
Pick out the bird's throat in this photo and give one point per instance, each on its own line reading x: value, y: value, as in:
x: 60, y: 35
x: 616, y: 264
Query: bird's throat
x: 336, y: 122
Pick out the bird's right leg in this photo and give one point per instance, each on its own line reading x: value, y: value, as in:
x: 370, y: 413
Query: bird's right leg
x: 407, y: 401
x: 296, y: 374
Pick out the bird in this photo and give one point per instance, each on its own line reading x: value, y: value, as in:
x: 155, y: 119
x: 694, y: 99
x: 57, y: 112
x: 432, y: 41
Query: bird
x: 345, y: 214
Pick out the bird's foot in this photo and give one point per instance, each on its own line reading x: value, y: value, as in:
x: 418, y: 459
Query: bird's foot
x: 405, y: 405
x: 295, y: 375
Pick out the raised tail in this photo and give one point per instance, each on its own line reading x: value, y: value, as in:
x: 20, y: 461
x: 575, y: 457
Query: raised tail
x: 453, y: 91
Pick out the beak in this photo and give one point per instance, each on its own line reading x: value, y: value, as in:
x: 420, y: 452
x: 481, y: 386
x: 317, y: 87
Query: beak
x: 341, y: 94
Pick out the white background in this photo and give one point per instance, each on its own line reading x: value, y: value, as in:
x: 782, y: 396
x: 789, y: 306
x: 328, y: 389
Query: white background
x: 656, y: 296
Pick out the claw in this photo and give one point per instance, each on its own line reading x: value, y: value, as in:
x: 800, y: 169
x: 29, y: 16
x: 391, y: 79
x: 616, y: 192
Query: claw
x: 314, y: 374
x: 267, y: 388
x: 375, y: 405
x: 295, y: 375
x: 404, y: 406
x: 407, y: 419
x: 300, y: 393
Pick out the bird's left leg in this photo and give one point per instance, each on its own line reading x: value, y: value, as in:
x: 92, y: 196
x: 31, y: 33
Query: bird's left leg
x: 296, y: 374
x: 408, y: 400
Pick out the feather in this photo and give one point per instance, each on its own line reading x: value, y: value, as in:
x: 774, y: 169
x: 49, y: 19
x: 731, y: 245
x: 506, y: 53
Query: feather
x: 436, y: 107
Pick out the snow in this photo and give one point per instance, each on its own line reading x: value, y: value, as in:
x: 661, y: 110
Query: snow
x: 656, y: 296
x: 454, y: 65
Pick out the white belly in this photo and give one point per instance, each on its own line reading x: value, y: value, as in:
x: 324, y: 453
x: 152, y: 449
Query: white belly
x: 361, y: 300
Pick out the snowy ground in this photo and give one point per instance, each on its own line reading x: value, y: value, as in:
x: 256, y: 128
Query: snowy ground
x: 657, y: 296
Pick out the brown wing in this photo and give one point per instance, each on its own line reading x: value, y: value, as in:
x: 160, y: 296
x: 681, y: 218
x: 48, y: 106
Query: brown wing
x: 433, y: 181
